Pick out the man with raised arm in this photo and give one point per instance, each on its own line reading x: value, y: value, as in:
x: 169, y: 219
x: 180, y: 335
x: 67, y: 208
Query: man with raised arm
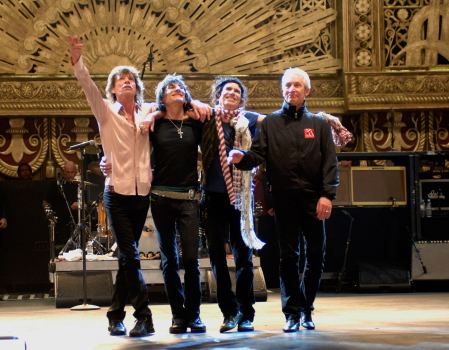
x: 126, y: 193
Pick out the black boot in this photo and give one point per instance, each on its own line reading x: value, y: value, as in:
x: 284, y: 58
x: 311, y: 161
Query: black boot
x: 143, y: 327
x: 116, y: 327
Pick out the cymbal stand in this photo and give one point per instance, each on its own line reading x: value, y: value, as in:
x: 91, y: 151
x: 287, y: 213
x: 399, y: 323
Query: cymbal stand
x: 343, y: 270
x: 73, y: 237
x: 98, y: 247
x: 84, y: 306
x: 51, y: 227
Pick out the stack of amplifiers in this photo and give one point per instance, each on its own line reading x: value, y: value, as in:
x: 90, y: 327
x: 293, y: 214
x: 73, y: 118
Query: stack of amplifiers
x: 437, y: 190
x: 363, y: 186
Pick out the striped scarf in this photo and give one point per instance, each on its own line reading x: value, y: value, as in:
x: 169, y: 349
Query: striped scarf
x: 239, y: 186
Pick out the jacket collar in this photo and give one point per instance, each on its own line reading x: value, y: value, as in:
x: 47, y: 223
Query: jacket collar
x: 291, y: 110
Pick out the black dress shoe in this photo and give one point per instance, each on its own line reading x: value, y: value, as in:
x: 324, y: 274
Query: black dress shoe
x: 231, y: 322
x: 143, y: 327
x: 196, y: 326
x: 178, y: 326
x: 245, y: 326
x: 292, y: 324
x: 306, y: 320
x: 116, y: 327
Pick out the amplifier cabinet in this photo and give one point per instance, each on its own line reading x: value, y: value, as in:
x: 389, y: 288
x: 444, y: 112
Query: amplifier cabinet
x: 378, y: 185
x: 344, y: 188
x: 437, y: 190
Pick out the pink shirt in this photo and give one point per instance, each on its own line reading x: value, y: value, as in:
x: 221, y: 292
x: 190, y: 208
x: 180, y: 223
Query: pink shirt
x: 127, y: 151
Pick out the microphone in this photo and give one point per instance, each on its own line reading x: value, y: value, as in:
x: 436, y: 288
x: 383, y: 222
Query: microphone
x: 83, y: 144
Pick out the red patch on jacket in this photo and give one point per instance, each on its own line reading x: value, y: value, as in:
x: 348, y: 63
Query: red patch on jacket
x: 309, y: 133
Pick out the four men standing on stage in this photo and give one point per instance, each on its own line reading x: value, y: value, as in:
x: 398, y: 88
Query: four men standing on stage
x: 301, y: 165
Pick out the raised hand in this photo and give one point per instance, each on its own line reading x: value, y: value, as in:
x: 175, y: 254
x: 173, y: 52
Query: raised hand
x: 75, y: 48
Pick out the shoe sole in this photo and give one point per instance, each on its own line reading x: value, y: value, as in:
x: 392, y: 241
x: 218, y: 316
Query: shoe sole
x: 121, y: 333
x: 177, y: 331
x: 197, y: 330
x: 245, y: 330
x: 291, y: 330
x: 226, y: 330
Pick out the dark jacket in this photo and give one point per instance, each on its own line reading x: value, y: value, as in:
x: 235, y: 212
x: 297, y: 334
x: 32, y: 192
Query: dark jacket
x: 209, y: 144
x: 299, y: 151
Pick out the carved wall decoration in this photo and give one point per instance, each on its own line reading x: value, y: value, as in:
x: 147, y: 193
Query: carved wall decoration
x: 64, y: 130
x: 417, y: 33
x: 208, y: 36
x: 364, y: 33
x: 25, y: 141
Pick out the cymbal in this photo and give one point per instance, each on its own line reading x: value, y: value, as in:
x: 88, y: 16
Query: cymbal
x: 94, y: 167
x: 85, y: 182
x: 88, y: 149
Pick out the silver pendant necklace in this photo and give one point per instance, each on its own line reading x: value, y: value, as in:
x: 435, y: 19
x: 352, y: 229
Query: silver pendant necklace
x: 180, y: 132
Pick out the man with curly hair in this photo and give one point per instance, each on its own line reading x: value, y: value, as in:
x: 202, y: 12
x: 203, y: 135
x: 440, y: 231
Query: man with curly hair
x: 126, y: 194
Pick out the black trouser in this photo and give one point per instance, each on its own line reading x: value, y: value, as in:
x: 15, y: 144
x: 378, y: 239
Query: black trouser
x: 269, y: 254
x: 220, y: 214
x: 169, y: 214
x: 127, y: 215
x: 296, y: 215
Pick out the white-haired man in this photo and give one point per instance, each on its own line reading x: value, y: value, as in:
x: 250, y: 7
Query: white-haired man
x: 302, y: 169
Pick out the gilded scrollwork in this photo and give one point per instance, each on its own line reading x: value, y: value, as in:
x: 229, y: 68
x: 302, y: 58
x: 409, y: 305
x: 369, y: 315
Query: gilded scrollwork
x: 59, y: 139
x: 388, y: 85
x: 40, y: 91
x: 17, y: 146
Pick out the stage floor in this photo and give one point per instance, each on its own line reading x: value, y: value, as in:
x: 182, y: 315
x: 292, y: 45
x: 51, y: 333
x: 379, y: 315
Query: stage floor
x: 343, y: 321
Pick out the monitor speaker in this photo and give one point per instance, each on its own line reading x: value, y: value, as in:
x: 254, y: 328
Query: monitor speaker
x: 260, y: 287
x: 383, y: 277
x: 69, y: 289
x: 435, y: 258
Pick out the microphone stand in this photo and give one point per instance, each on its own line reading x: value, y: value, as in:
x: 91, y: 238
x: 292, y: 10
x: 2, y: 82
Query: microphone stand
x: 84, y: 306
x: 149, y: 60
x: 343, y: 270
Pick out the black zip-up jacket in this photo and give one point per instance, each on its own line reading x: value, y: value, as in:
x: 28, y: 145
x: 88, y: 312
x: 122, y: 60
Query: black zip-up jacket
x: 299, y: 151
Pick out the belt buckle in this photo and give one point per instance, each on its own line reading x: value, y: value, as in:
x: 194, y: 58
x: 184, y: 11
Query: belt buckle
x: 191, y: 194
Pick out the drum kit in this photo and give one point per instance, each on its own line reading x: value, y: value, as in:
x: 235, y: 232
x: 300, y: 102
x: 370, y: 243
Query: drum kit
x: 102, y: 240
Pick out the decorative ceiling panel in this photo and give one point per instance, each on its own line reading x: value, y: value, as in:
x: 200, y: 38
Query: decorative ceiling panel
x: 190, y: 36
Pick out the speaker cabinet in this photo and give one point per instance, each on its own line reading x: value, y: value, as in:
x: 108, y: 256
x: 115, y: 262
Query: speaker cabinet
x: 260, y: 287
x: 344, y: 188
x: 379, y: 185
x: 435, y: 257
x: 69, y: 288
x: 383, y: 277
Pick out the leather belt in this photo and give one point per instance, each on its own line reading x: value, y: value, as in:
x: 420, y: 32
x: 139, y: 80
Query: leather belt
x: 192, y: 195
x: 109, y: 189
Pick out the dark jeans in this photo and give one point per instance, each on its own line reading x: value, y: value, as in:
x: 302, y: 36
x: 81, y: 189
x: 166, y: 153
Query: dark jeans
x: 220, y: 214
x: 296, y: 215
x: 269, y: 254
x: 127, y: 215
x: 183, y: 215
